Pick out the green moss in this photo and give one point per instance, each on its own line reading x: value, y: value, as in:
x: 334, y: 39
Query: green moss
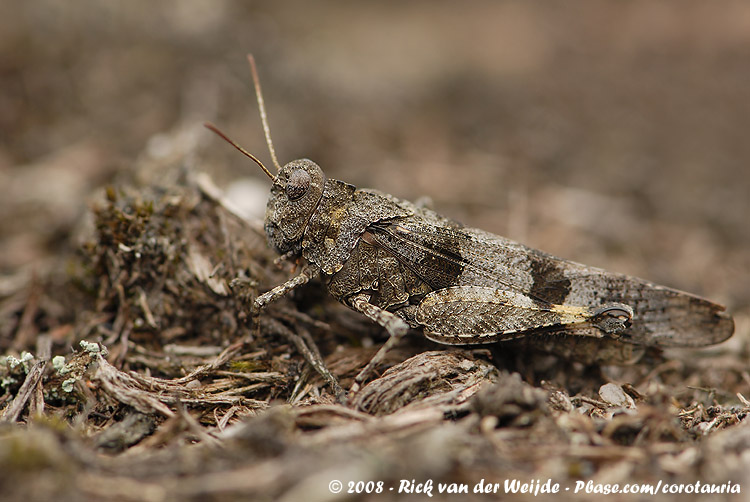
x: 245, y: 366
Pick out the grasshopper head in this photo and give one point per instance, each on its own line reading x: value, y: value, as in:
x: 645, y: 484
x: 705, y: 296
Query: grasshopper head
x: 295, y: 194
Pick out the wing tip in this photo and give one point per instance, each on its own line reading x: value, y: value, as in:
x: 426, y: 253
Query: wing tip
x: 704, y: 332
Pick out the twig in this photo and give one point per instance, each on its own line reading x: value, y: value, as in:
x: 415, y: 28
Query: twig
x: 195, y: 427
x: 15, y: 408
x: 124, y: 388
x: 26, y: 329
x: 301, y: 316
x: 310, y: 353
x: 220, y: 360
x: 30, y: 385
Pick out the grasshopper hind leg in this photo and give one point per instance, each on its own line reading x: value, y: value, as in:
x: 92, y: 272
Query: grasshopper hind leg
x: 393, y: 324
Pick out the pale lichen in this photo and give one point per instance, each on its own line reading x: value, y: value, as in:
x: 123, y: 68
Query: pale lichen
x: 25, y: 361
x: 58, y: 362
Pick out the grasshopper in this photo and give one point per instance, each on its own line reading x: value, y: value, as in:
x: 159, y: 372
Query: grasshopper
x: 405, y: 266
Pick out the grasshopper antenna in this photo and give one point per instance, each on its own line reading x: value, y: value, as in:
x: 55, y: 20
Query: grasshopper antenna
x: 223, y: 136
x: 262, y: 106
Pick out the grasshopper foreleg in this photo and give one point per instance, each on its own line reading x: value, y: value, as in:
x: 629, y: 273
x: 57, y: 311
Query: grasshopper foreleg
x: 261, y: 302
x: 308, y: 272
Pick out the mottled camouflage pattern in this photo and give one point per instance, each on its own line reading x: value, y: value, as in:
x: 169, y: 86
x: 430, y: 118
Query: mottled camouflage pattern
x: 387, y: 257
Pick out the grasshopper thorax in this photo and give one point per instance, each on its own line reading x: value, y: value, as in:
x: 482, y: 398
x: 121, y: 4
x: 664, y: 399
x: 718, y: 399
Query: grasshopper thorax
x: 295, y: 195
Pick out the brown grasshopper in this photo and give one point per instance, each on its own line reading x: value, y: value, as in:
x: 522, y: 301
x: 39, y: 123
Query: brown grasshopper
x: 405, y: 266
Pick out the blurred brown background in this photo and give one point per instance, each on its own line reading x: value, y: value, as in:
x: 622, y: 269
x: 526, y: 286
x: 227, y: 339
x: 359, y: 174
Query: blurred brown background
x: 612, y: 133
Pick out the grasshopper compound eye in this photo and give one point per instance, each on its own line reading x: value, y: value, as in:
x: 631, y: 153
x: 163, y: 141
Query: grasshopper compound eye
x: 613, y: 318
x: 297, y: 184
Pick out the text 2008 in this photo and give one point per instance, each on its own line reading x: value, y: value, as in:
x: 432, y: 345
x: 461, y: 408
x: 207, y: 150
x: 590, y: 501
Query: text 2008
x: 365, y: 487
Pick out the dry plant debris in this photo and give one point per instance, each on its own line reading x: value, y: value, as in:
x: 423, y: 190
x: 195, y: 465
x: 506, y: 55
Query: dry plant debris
x: 135, y: 376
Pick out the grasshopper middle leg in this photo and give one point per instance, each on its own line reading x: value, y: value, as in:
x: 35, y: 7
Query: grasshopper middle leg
x: 394, y: 325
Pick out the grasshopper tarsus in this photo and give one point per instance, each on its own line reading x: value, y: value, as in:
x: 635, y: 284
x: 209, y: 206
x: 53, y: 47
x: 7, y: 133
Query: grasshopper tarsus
x: 282, y: 290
